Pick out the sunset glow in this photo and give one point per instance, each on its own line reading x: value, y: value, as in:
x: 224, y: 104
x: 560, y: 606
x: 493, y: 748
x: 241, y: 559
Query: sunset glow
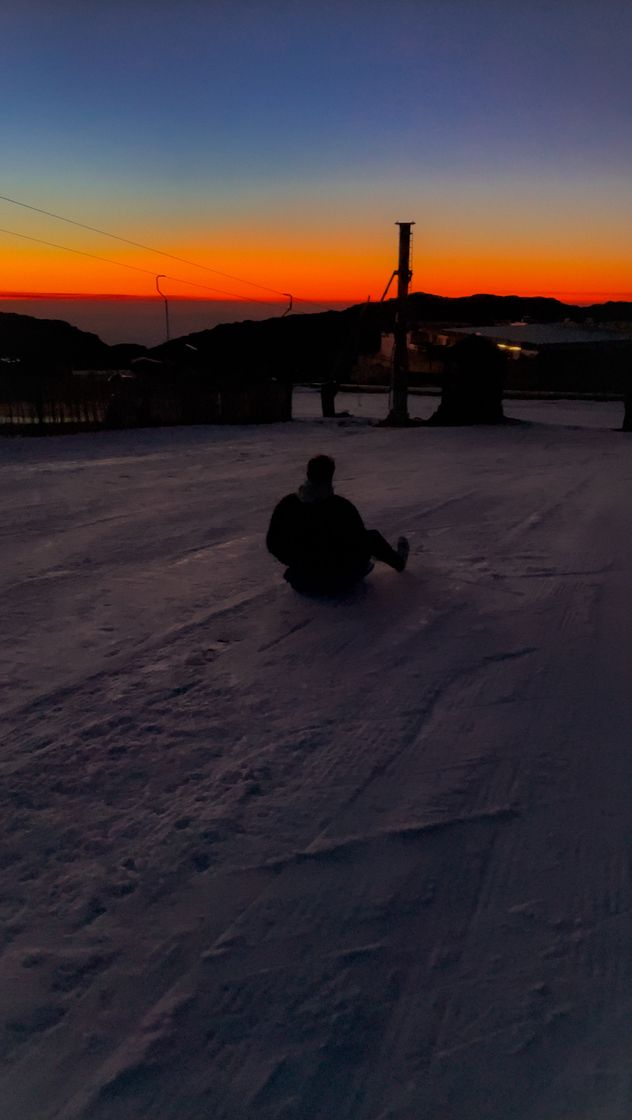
x: 279, y: 144
x: 316, y: 273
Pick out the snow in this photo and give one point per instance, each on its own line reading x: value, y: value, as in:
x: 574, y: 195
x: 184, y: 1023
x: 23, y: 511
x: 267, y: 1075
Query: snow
x: 274, y: 857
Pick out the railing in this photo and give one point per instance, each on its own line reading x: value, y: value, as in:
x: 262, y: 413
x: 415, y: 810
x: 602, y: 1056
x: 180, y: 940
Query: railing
x: 62, y: 404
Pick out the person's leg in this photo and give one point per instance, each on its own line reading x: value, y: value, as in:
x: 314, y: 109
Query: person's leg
x: 381, y: 550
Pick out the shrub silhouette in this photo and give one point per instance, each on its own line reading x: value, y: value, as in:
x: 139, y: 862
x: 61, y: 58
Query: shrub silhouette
x: 473, y: 380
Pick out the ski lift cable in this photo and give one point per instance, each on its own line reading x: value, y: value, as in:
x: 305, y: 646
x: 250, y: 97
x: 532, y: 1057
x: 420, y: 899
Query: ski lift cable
x: 133, y: 267
x: 152, y: 249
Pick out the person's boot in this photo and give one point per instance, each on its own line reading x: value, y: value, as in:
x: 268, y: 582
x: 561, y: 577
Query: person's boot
x: 402, y: 550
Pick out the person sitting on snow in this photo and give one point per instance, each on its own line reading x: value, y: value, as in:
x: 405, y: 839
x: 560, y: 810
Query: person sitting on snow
x: 321, y: 537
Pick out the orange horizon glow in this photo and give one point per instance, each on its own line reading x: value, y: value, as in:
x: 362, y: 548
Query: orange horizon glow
x: 320, y: 271
x: 570, y: 297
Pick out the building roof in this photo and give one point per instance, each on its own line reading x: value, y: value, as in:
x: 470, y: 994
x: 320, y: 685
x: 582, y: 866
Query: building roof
x: 544, y: 334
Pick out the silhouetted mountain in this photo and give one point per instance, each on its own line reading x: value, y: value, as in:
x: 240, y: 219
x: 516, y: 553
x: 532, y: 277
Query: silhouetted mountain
x: 298, y: 347
x: 486, y: 309
x: 319, y: 346
x: 610, y: 312
x: 55, y: 343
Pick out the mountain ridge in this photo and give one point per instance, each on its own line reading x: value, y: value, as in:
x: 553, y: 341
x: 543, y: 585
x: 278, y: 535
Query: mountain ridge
x: 292, y: 347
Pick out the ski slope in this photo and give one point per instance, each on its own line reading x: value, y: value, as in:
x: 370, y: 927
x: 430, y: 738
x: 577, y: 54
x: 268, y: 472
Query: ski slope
x: 273, y: 858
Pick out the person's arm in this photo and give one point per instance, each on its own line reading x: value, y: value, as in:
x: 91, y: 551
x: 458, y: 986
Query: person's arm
x: 354, y: 525
x: 352, y: 535
x: 278, y: 539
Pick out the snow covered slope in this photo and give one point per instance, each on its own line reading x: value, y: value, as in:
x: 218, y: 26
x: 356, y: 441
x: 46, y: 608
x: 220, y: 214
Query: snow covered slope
x: 275, y: 858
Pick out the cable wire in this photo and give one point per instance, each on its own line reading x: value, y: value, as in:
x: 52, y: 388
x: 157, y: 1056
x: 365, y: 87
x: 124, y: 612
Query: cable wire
x: 161, y: 252
x: 133, y: 267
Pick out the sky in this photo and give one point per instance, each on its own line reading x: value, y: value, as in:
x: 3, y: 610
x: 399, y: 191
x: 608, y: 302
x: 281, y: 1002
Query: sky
x: 279, y: 141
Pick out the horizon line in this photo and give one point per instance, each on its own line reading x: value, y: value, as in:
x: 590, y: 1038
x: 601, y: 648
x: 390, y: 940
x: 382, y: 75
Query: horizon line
x: 122, y: 297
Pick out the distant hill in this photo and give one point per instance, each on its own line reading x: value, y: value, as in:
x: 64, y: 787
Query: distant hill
x: 298, y: 347
x: 317, y: 346
x: 485, y: 310
x: 55, y: 343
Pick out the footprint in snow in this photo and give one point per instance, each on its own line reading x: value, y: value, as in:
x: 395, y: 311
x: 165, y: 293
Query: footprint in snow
x: 210, y: 653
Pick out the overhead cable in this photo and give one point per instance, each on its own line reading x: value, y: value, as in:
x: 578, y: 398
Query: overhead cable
x: 133, y: 267
x: 151, y: 249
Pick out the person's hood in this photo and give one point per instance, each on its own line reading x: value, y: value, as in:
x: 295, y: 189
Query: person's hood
x: 315, y: 491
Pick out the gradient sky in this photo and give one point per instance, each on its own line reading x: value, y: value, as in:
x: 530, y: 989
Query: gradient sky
x: 279, y: 141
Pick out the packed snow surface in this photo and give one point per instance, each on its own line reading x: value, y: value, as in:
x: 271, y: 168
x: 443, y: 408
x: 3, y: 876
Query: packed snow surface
x: 283, y: 858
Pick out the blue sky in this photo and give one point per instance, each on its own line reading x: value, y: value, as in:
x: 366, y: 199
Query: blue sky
x: 254, y: 132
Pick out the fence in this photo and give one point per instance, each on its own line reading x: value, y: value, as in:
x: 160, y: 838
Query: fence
x: 45, y: 405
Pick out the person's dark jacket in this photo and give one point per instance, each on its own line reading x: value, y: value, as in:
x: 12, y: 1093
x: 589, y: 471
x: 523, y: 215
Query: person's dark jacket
x: 322, y: 540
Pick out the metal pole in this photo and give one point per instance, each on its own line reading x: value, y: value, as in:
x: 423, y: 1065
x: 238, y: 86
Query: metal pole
x: 399, y: 377
x: 162, y: 276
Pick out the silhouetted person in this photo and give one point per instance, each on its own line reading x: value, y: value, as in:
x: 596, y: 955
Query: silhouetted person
x: 321, y: 536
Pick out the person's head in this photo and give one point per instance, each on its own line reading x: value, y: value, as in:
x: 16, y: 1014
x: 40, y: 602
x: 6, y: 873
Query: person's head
x: 320, y: 470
